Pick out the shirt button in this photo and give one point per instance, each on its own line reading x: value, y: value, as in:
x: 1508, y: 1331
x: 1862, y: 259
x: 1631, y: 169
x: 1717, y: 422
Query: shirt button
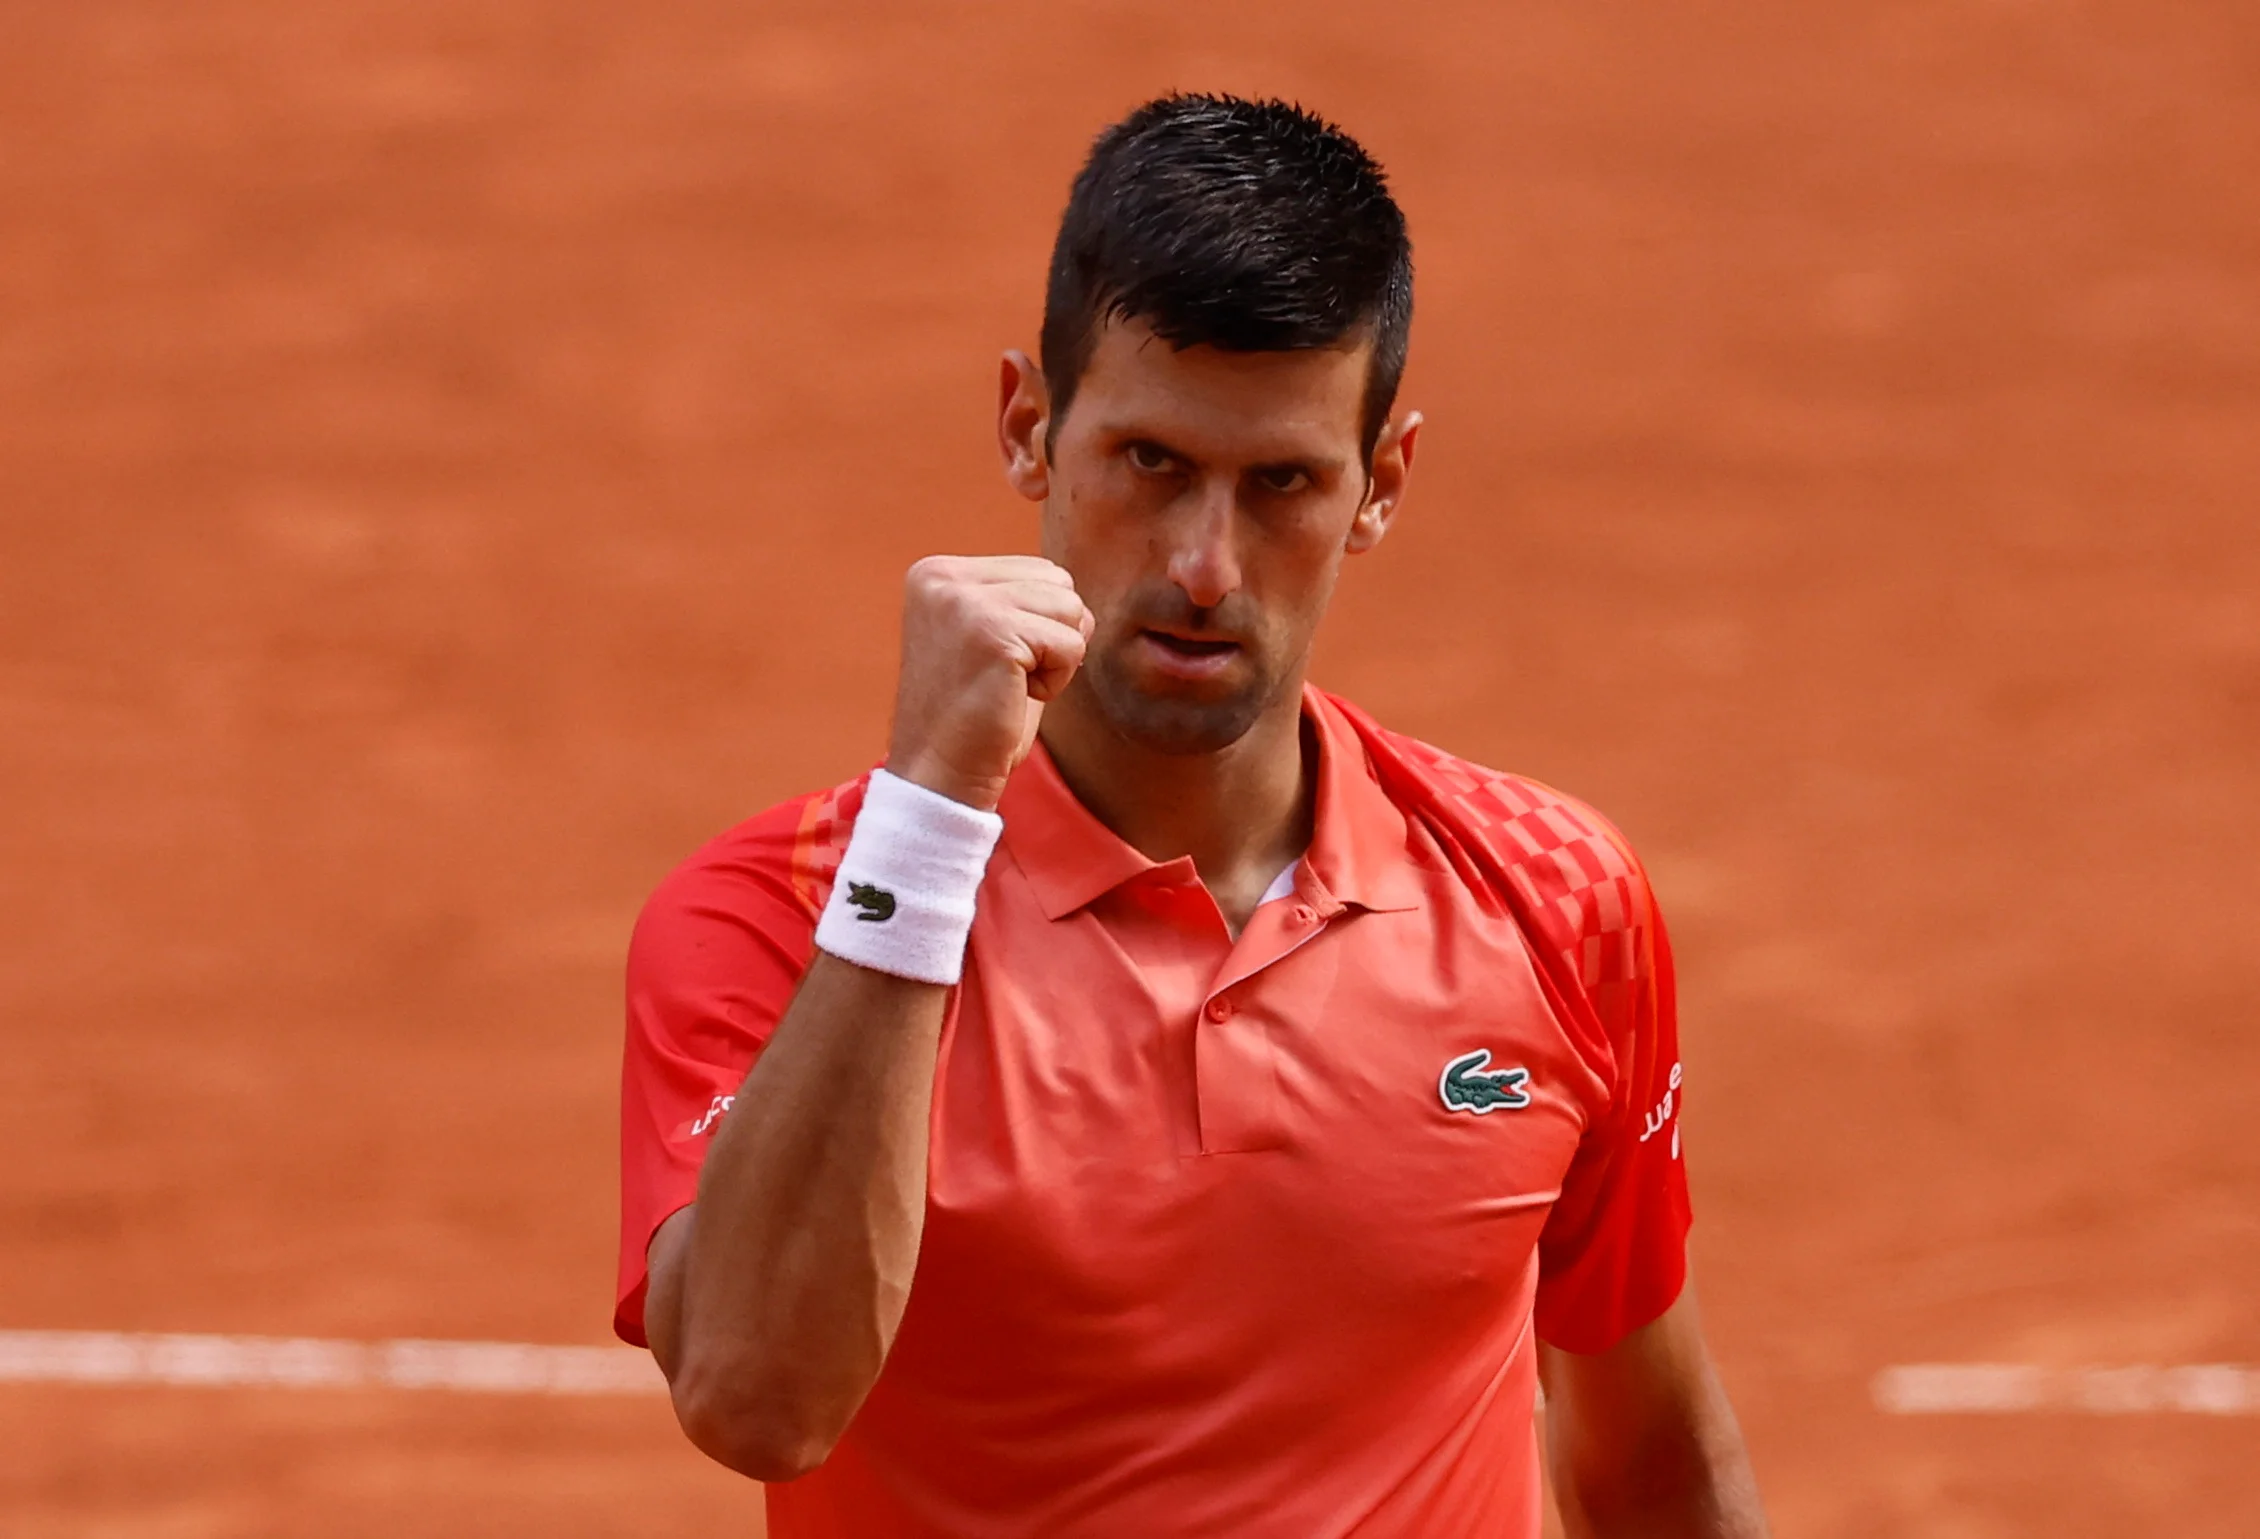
x: 1220, y: 1009
x: 1304, y: 913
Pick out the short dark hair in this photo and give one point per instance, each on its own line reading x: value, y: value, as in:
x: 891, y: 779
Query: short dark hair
x: 1251, y: 226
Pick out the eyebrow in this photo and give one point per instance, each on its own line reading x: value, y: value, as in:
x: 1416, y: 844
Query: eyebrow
x: 1314, y: 465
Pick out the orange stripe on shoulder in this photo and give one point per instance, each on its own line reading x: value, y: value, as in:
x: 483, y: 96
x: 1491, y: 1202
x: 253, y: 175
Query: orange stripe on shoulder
x: 821, y: 840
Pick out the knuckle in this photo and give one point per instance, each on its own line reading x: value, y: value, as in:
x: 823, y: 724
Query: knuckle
x: 936, y: 571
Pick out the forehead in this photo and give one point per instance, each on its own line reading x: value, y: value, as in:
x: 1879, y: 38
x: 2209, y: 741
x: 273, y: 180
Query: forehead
x: 1309, y: 402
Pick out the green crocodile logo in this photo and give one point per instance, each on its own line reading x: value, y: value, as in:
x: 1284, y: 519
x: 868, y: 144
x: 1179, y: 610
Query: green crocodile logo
x: 1466, y: 1085
x: 874, y: 905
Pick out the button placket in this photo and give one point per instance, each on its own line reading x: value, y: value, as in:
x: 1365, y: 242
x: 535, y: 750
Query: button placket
x: 1290, y: 932
x: 1236, y: 1043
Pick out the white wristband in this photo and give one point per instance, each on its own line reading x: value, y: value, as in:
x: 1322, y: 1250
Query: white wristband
x: 902, y: 901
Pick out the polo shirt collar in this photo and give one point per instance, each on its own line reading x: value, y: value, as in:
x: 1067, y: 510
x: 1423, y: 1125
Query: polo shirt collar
x: 1358, y: 849
x: 1069, y: 857
x: 1357, y: 856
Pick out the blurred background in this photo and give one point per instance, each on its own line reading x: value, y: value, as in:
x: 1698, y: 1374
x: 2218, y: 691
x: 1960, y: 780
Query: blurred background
x: 455, y: 458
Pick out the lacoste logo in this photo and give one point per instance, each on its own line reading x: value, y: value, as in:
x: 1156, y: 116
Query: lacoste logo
x: 1466, y: 1085
x: 713, y: 1114
x: 874, y: 905
x: 1666, y: 1111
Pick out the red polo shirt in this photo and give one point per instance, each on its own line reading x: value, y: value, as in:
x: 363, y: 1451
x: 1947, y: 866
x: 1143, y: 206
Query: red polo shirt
x: 1237, y: 1237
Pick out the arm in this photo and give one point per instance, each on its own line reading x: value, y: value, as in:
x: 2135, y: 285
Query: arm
x: 774, y: 1298
x: 1641, y: 1442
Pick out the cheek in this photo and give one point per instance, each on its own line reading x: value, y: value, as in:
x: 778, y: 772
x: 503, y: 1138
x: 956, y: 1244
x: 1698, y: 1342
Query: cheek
x: 1070, y: 511
x: 1090, y: 530
x: 1298, y: 560
x: 1093, y: 506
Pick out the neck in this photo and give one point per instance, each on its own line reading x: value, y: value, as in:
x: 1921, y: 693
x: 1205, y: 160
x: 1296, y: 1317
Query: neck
x: 1242, y: 814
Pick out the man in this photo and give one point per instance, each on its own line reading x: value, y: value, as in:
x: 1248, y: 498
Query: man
x: 1176, y: 1106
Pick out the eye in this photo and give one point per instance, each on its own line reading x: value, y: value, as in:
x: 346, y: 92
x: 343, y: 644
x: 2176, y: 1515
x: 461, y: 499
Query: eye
x: 1151, y: 458
x: 1283, y: 480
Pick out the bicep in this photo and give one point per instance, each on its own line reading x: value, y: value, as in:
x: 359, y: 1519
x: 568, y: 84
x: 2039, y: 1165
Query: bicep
x: 663, y: 1298
x: 1652, y: 1371
x: 1630, y: 1425
x: 715, y: 960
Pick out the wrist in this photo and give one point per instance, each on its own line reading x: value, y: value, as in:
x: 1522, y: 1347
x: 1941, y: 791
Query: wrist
x: 980, y: 792
x: 903, y: 898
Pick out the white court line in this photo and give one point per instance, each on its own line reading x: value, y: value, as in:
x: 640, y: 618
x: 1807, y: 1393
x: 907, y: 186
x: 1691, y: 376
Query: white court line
x: 2001, y: 1389
x: 297, y: 1362
x: 515, y: 1368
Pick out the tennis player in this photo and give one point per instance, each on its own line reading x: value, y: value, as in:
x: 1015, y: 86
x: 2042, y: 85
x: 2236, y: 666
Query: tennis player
x: 1161, y: 1101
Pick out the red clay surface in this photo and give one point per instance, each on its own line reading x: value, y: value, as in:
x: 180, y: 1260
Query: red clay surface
x: 456, y: 457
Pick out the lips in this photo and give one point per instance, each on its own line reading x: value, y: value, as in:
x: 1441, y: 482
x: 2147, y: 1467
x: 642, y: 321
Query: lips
x: 1191, y: 657
x: 1194, y: 646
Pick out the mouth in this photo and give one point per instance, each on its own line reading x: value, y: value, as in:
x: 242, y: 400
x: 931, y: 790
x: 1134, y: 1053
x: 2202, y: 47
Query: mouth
x: 1190, y: 657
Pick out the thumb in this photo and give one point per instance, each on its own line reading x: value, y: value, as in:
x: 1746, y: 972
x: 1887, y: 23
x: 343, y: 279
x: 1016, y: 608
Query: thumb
x: 1028, y: 728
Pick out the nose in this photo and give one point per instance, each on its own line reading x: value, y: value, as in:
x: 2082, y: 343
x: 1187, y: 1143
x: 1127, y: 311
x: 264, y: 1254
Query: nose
x: 1204, y: 558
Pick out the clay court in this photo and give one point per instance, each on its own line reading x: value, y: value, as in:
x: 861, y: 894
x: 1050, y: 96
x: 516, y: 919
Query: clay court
x: 456, y: 458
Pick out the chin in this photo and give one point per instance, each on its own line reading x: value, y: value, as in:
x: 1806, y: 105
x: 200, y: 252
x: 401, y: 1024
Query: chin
x: 1174, y: 721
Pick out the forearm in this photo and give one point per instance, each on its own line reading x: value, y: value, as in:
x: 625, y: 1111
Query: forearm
x: 798, y: 1261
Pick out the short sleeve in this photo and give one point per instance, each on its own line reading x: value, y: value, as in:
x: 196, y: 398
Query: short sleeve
x: 1613, y: 1256
x: 716, y: 956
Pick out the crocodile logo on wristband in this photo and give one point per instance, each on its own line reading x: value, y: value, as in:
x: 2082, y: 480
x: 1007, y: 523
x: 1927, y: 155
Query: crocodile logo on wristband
x: 873, y: 905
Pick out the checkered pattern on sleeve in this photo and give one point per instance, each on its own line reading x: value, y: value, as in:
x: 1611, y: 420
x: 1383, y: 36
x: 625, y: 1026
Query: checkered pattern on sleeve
x: 1569, y: 863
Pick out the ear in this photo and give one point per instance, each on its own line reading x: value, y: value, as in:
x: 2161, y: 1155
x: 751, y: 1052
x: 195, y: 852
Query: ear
x: 1385, y: 485
x: 1024, y: 416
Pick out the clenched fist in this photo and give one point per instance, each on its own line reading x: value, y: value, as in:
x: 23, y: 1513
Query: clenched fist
x: 986, y: 640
